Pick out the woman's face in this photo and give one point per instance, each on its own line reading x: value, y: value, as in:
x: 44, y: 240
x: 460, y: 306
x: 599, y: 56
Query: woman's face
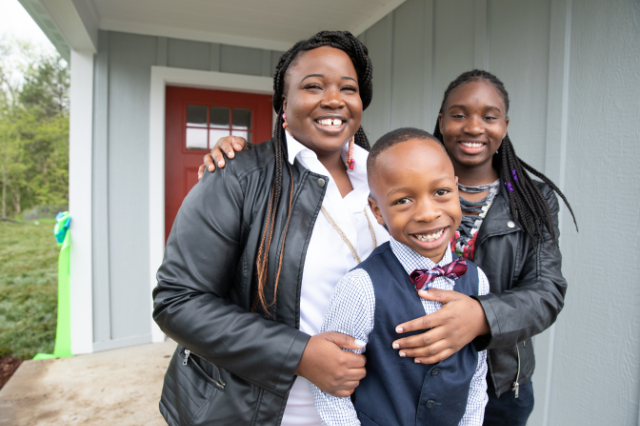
x: 473, y: 123
x: 322, y: 99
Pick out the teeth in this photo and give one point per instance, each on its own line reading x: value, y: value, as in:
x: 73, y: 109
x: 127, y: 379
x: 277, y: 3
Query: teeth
x: 330, y: 122
x: 472, y: 144
x: 430, y: 237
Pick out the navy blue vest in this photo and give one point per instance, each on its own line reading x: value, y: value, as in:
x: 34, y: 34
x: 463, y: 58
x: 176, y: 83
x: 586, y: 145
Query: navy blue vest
x: 397, y: 391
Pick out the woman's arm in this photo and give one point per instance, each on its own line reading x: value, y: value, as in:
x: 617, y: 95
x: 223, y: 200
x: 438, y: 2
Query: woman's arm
x: 536, y: 298
x: 191, y: 301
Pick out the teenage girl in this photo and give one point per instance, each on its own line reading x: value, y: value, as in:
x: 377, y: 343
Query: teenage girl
x: 510, y: 229
x: 257, y: 249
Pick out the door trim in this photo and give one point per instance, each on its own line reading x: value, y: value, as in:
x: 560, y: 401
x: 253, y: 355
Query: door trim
x: 160, y: 78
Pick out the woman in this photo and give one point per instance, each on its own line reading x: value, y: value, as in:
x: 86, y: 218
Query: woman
x: 256, y: 250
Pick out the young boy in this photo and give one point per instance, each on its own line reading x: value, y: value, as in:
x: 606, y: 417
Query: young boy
x: 414, y: 193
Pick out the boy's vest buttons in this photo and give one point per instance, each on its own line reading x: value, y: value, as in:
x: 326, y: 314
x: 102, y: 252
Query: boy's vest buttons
x: 430, y: 403
x: 321, y: 183
x: 435, y: 371
x: 510, y: 224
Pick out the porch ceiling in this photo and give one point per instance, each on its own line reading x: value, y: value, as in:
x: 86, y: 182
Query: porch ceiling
x: 268, y: 24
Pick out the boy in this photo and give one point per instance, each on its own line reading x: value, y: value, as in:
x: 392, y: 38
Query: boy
x: 414, y: 193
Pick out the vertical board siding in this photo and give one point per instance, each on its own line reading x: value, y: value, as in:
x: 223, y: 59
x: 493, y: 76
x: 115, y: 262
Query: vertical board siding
x: 518, y: 39
x: 100, y: 224
x: 407, y: 68
x: 376, y: 120
x: 597, y: 358
x: 241, y: 60
x: 194, y: 55
x: 130, y: 57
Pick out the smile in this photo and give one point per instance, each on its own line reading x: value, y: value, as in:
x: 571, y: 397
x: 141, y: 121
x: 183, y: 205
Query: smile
x: 330, y: 122
x: 472, y: 144
x: 427, y: 238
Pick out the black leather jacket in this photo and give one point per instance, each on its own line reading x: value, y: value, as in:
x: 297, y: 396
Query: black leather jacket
x: 239, y: 365
x: 527, y: 290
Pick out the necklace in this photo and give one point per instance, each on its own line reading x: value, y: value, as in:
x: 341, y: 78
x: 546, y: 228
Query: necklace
x: 344, y: 237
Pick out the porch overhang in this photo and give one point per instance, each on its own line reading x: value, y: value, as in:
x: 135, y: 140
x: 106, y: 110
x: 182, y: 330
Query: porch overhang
x: 270, y: 24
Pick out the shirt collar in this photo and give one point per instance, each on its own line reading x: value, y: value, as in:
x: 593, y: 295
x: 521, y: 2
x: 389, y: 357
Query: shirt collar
x: 410, y: 260
x: 357, y: 176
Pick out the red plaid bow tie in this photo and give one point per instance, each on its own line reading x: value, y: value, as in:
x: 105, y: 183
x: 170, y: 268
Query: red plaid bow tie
x: 454, y: 270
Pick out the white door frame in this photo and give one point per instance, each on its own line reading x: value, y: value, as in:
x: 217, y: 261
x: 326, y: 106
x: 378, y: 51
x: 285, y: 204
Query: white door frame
x: 160, y: 78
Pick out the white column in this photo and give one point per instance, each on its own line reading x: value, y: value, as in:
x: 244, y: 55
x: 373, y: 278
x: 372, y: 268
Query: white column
x: 80, y: 181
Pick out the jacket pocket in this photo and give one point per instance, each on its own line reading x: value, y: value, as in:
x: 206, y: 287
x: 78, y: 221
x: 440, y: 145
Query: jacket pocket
x: 187, y: 389
x: 366, y: 421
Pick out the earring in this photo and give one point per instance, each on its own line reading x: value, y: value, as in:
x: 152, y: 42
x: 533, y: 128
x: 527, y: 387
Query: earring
x: 350, y: 161
x: 285, y: 124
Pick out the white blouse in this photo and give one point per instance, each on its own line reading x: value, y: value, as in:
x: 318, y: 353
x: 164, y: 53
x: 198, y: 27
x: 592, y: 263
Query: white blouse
x: 329, y: 258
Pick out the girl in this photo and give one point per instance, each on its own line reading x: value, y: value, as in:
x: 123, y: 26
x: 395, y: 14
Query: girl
x: 510, y: 230
x: 256, y: 250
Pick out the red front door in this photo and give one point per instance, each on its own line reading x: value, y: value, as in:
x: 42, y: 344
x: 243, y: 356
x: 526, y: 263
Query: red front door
x: 195, y: 120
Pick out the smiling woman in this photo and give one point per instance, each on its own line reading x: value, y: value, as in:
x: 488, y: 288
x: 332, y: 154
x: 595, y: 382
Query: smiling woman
x: 250, y: 263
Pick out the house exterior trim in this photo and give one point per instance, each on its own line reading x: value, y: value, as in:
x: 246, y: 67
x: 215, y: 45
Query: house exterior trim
x: 160, y: 78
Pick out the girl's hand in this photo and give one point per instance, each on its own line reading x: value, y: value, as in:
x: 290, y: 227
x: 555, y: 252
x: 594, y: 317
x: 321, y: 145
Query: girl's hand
x: 449, y: 329
x: 228, y: 144
x: 327, y: 366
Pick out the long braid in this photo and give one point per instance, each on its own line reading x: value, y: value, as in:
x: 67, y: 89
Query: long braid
x: 527, y: 203
x: 358, y: 53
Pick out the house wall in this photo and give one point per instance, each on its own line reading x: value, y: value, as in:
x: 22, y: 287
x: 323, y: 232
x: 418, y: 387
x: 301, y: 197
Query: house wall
x: 571, y: 71
x: 122, y: 76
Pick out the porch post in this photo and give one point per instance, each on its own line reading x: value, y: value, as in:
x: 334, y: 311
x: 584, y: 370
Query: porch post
x: 80, y: 183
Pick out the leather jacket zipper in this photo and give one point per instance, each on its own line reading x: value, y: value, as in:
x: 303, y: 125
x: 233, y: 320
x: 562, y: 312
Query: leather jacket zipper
x: 516, y: 386
x: 218, y: 383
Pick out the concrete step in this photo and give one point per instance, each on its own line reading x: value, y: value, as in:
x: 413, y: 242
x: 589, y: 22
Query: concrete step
x: 118, y: 387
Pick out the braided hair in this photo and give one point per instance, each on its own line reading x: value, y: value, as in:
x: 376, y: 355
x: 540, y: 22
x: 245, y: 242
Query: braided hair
x: 528, y: 206
x: 358, y: 53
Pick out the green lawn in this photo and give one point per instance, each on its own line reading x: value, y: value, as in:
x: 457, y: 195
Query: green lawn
x: 28, y: 288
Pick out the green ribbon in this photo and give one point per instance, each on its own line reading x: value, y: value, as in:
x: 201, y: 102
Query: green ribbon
x: 63, y: 327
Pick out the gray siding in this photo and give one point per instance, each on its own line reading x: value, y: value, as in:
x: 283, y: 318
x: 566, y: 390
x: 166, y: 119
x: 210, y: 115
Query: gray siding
x: 122, y: 303
x: 571, y: 71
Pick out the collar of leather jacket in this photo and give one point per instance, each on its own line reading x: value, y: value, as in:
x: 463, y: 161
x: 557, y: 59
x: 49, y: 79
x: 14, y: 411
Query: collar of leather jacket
x: 498, y: 220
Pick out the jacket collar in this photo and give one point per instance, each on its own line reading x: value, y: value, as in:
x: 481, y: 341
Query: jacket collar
x: 498, y: 220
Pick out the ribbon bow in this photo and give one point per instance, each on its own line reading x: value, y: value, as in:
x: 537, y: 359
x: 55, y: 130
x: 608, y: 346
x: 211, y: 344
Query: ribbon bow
x: 454, y: 270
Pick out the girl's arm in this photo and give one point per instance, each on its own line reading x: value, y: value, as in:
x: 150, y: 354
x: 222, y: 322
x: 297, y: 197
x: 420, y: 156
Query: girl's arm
x: 494, y: 320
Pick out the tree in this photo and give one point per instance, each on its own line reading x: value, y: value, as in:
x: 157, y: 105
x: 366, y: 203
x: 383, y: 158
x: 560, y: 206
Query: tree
x: 34, y: 128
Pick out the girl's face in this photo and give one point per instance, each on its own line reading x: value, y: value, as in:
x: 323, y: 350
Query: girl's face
x: 473, y: 123
x: 322, y: 100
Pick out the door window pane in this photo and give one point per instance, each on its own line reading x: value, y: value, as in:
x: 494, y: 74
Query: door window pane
x: 197, y: 115
x: 241, y: 118
x: 241, y: 133
x: 219, y: 117
x: 196, y: 138
x: 215, y: 134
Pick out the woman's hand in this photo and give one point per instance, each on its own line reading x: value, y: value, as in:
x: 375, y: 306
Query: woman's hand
x: 228, y: 144
x: 326, y: 365
x: 449, y: 329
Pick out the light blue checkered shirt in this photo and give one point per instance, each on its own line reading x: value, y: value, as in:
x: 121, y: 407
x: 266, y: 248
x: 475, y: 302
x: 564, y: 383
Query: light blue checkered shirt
x: 351, y: 312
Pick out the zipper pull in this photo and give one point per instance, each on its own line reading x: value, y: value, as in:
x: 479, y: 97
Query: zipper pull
x: 516, y: 388
x: 187, y: 352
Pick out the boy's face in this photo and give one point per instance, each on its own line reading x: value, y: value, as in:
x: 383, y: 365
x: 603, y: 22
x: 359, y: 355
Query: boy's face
x: 415, y: 194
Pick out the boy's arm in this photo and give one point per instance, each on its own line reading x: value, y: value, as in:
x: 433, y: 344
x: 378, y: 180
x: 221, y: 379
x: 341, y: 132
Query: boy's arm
x: 351, y: 312
x: 478, y: 398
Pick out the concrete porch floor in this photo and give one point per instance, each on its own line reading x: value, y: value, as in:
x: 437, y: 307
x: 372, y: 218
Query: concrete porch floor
x: 117, y: 387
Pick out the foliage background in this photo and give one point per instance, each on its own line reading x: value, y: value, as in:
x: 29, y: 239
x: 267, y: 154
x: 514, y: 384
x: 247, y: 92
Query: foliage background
x: 34, y: 128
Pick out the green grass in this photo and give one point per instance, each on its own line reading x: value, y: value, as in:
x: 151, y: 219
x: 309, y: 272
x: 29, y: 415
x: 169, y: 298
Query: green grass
x: 28, y: 288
